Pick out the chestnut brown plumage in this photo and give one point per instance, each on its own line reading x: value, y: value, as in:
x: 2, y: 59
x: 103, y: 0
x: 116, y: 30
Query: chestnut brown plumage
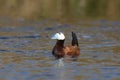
x: 60, y: 51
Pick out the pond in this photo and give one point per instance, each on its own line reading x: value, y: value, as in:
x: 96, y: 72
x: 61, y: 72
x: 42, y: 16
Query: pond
x: 25, y: 51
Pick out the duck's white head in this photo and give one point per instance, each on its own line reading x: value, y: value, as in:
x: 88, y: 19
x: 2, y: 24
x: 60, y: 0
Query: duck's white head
x: 58, y: 36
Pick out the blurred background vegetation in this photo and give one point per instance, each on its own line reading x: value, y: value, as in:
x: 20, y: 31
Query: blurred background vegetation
x: 61, y: 9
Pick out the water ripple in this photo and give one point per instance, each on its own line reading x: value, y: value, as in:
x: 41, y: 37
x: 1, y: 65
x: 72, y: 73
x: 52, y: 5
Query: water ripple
x: 12, y: 37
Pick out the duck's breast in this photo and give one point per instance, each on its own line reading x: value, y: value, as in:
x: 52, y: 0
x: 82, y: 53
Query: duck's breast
x: 58, y: 52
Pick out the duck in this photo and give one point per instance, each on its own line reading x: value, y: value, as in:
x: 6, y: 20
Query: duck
x: 60, y: 51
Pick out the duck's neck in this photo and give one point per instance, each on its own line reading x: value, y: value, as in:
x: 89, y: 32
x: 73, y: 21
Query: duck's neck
x: 60, y: 43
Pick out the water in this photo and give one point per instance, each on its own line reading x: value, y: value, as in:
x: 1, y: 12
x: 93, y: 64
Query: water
x: 25, y: 51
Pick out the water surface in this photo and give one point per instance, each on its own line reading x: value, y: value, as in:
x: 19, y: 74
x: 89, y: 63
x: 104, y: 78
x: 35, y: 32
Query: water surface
x: 25, y: 51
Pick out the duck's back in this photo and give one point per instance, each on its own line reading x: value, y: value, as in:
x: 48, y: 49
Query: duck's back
x: 72, y: 51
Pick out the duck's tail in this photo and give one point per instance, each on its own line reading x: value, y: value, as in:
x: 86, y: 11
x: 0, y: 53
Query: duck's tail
x: 74, y: 40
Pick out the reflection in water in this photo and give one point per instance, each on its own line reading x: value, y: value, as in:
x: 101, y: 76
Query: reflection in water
x: 25, y: 51
x: 59, y: 63
x: 60, y: 73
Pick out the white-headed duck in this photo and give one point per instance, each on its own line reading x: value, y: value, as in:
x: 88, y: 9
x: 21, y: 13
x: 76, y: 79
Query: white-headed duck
x: 59, y: 50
